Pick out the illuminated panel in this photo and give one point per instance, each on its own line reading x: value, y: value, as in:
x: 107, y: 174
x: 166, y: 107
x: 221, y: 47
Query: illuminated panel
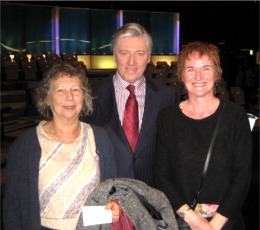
x: 103, y: 62
x: 108, y: 62
x: 167, y: 58
x: 85, y: 59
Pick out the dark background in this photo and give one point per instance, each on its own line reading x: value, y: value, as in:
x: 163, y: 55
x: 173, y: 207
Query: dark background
x: 232, y: 25
x: 235, y: 23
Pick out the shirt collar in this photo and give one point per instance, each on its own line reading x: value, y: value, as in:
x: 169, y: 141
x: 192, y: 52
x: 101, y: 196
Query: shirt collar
x: 121, y: 84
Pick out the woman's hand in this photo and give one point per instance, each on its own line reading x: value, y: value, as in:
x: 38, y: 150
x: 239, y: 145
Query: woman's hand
x: 197, y: 222
x: 218, y: 221
x: 115, y: 210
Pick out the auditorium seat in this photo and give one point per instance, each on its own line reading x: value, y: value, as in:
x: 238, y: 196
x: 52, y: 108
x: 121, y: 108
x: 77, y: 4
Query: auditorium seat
x: 69, y: 58
x: 173, y: 70
x: 20, y: 57
x: 29, y: 71
x: 173, y: 65
x: 14, y: 111
x: 150, y: 67
x: 172, y: 73
x: 54, y: 58
x: 43, y: 67
x: 160, y: 74
x: 37, y: 57
x: 79, y: 64
x: 10, y: 75
x: 237, y: 95
x: 5, y: 58
x: 178, y: 87
x: 162, y: 65
x: 222, y: 93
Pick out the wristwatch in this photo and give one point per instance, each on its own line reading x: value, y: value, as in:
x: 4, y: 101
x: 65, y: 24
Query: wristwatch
x: 184, y: 213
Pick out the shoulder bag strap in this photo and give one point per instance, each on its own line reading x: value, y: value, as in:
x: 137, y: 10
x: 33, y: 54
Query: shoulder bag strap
x: 194, y: 203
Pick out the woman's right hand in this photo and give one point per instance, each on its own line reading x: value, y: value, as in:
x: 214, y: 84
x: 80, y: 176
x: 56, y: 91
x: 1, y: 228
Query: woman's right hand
x: 115, y: 210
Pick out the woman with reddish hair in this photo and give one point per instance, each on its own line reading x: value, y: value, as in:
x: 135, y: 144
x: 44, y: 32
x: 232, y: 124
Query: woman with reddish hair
x: 184, y: 133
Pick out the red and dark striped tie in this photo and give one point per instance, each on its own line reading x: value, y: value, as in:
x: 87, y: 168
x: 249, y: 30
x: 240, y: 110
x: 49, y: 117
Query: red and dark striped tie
x: 131, y: 120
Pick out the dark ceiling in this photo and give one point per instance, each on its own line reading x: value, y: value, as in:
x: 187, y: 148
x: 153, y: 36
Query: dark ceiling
x: 236, y: 23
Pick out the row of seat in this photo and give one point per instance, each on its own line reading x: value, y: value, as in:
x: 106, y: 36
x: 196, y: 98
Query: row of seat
x: 168, y: 75
x: 19, y: 70
x: 161, y: 70
x: 34, y: 69
x: 13, y: 71
x: 16, y: 111
x: 234, y: 94
x: 20, y: 57
x: 40, y: 63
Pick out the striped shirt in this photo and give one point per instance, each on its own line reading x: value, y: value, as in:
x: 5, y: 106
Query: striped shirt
x: 122, y: 95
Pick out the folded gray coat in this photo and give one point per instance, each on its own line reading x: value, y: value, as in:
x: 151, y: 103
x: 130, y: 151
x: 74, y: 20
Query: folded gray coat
x: 128, y: 193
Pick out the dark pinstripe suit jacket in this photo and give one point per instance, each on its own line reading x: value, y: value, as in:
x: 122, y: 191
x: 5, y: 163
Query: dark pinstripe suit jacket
x: 137, y: 165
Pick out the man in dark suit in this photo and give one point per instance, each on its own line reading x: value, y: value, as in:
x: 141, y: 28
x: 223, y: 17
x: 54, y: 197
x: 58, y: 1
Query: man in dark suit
x: 132, y: 47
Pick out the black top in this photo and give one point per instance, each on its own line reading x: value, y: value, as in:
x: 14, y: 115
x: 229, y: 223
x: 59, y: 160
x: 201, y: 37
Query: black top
x: 182, y: 146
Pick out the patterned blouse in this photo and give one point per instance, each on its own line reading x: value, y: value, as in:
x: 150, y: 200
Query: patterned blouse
x: 68, y: 174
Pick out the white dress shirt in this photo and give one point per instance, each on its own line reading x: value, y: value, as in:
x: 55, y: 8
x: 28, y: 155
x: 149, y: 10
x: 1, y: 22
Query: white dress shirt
x: 122, y: 95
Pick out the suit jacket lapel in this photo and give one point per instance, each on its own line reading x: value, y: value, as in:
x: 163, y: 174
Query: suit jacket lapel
x: 108, y: 106
x: 152, y: 104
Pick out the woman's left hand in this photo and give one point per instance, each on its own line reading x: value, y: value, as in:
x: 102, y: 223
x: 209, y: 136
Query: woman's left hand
x: 115, y: 210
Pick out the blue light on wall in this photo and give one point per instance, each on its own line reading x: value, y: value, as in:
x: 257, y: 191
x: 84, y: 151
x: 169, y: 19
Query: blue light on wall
x: 53, y: 29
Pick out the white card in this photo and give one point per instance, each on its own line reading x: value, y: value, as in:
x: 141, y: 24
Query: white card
x: 93, y: 215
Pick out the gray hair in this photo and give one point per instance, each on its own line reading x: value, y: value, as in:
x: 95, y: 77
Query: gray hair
x: 60, y: 70
x: 132, y: 30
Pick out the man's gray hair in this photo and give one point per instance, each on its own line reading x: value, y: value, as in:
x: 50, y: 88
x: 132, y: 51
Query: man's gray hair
x: 132, y: 30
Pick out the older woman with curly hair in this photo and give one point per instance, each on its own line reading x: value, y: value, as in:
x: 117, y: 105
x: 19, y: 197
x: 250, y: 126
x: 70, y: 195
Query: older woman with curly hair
x: 52, y: 168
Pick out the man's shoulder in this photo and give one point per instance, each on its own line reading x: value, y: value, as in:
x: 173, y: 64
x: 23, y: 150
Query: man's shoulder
x: 103, y: 85
x: 99, y: 132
